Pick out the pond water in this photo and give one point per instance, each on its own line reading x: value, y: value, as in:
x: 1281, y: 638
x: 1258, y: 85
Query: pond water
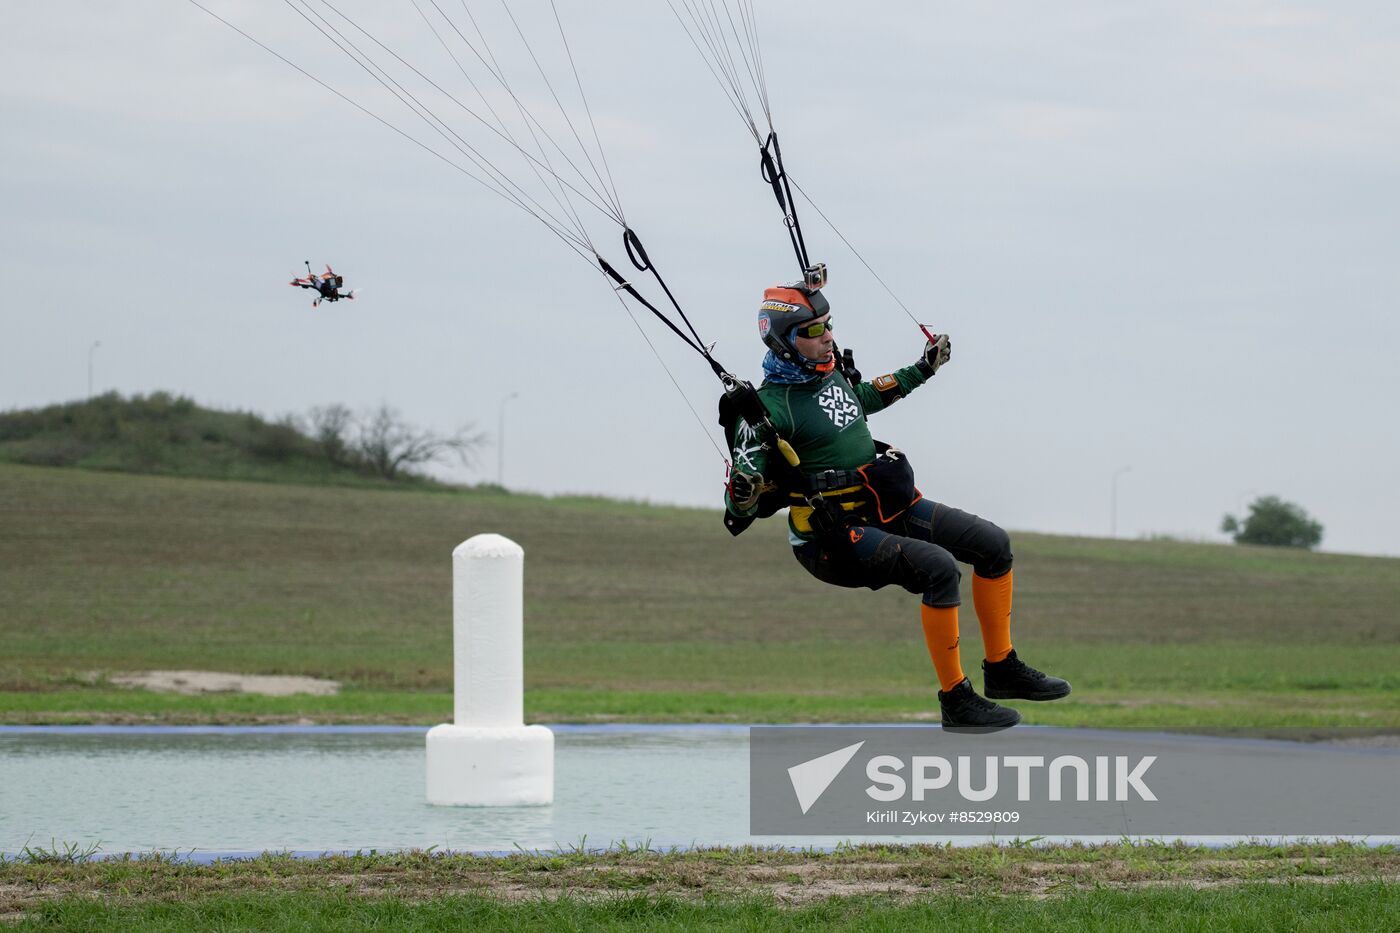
x: 230, y: 790
x: 310, y: 789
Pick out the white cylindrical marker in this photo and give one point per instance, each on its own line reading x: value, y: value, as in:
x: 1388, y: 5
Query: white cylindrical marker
x: 488, y: 632
x: 488, y: 756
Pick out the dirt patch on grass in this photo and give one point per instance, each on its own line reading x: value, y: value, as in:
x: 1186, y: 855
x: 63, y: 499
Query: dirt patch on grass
x: 894, y: 874
x: 1377, y: 740
x: 197, y: 682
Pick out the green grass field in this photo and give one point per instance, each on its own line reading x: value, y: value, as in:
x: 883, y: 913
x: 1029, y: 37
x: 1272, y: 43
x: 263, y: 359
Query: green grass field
x: 637, y: 612
x: 1113, y: 887
x: 644, y: 613
x: 1343, y: 908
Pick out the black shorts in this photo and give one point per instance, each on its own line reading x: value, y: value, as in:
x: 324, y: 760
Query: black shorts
x: 919, y: 551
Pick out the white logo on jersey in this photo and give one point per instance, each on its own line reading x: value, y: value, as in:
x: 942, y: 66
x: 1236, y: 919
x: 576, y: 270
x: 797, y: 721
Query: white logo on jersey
x: 839, y: 407
x: 746, y: 444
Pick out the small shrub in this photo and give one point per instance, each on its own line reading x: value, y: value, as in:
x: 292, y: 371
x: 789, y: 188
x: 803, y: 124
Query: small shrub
x: 1274, y: 523
x: 276, y: 442
x: 56, y: 452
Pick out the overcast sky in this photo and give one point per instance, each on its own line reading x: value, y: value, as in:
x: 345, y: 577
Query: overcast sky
x: 1161, y: 235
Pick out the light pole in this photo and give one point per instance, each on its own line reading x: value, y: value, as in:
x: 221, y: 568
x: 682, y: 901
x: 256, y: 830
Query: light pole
x: 91, y: 350
x: 1113, y: 502
x: 501, y: 442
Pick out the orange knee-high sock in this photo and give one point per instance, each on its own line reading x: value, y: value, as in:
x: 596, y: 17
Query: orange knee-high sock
x: 992, y: 600
x: 941, y: 636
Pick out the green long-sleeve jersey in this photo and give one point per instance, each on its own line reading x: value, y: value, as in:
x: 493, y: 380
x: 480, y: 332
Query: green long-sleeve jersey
x: 825, y: 422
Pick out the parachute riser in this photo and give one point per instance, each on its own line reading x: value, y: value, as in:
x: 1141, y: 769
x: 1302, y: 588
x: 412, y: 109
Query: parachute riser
x: 637, y: 253
x: 770, y: 156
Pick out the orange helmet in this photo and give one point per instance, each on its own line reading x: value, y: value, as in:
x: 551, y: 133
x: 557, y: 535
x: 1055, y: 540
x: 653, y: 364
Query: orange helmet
x: 785, y: 307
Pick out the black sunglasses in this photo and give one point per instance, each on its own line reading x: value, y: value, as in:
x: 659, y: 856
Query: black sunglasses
x: 815, y: 329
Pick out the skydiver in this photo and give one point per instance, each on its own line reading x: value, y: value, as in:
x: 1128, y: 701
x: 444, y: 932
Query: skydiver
x: 872, y: 528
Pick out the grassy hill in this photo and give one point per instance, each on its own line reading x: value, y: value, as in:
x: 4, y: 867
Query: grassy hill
x: 637, y: 612
x: 171, y: 435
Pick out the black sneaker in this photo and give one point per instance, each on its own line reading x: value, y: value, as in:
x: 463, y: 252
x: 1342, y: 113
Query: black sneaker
x: 1014, y: 679
x: 965, y: 711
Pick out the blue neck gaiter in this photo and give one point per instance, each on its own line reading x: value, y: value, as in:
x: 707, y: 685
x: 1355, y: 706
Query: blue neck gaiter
x: 785, y: 373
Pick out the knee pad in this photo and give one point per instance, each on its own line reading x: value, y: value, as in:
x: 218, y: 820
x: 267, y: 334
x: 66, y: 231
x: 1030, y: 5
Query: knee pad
x: 994, y: 545
x: 933, y: 573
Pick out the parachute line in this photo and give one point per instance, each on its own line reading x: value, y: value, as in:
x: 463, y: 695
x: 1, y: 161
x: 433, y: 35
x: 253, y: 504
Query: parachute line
x: 720, y: 49
x: 434, y: 122
x: 671, y: 376
x: 602, y: 156
x: 564, y: 221
x: 435, y: 119
x: 386, y: 123
x: 855, y: 252
x: 556, y: 190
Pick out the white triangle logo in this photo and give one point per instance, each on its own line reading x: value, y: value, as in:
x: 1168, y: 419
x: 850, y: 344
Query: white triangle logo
x: 811, y: 778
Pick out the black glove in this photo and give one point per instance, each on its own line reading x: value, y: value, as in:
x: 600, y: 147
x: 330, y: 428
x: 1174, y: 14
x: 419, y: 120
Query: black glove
x: 827, y: 517
x: 936, y: 352
x: 744, y: 489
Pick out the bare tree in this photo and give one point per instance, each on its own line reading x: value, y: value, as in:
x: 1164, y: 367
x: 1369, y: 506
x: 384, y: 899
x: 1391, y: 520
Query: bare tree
x: 330, y: 427
x: 388, y: 444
